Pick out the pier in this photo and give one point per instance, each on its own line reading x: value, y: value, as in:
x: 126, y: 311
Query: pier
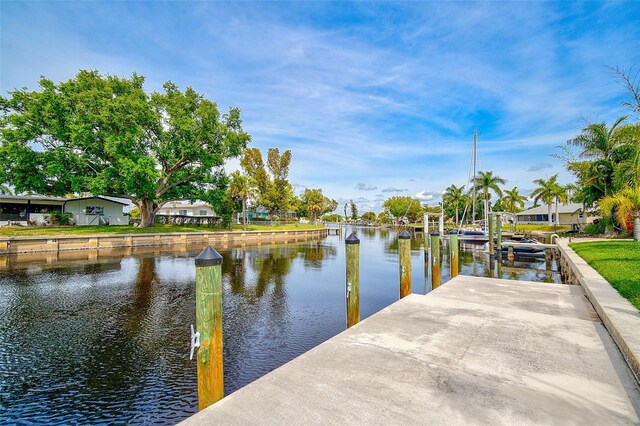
x: 473, y: 351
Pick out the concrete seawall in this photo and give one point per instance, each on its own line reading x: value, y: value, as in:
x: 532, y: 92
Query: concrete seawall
x: 16, y: 245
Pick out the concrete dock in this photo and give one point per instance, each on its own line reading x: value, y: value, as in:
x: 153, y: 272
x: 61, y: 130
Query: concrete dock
x: 474, y: 351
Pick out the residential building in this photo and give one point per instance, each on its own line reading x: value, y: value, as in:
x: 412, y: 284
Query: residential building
x: 198, y: 209
x: 569, y: 214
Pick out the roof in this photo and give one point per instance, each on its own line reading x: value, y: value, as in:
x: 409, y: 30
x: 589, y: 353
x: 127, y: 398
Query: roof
x: 544, y: 209
x: 102, y: 197
x: 185, y: 206
x: 32, y: 198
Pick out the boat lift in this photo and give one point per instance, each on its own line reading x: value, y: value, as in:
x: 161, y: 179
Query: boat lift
x: 440, y: 223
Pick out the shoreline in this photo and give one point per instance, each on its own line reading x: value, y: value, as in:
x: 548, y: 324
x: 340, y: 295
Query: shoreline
x: 40, y: 244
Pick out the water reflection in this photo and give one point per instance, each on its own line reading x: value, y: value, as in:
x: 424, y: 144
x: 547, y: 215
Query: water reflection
x: 102, y: 336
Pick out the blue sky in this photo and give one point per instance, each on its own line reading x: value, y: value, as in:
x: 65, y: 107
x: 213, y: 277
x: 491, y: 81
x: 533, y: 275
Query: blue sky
x: 373, y: 99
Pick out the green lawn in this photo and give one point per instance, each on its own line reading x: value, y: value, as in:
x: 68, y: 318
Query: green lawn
x: 528, y: 227
x: 618, y: 262
x: 29, y: 231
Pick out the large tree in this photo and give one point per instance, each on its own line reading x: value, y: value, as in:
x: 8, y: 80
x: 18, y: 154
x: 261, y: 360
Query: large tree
x: 314, y: 203
x: 107, y: 136
x: 624, y: 204
x: 403, y: 206
x: 512, y: 200
x: 274, y: 191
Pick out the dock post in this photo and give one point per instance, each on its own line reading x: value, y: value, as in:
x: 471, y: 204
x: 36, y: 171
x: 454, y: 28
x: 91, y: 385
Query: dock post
x: 353, y: 279
x: 435, y: 260
x: 499, y: 232
x: 491, y: 247
x: 404, y: 252
x: 453, y: 255
x: 547, y: 258
x: 510, y: 256
x: 209, y: 325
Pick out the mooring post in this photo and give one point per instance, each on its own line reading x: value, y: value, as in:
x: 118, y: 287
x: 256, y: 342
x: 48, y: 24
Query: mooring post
x: 404, y: 252
x: 547, y: 258
x: 499, y: 233
x: 453, y: 255
x: 435, y: 260
x: 353, y: 279
x: 491, y: 247
x: 209, y: 326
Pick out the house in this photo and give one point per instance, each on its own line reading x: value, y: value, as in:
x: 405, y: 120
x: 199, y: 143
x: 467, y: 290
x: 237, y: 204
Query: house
x: 98, y: 210
x: 198, y: 209
x: 569, y: 214
x: 36, y: 210
x: 25, y: 209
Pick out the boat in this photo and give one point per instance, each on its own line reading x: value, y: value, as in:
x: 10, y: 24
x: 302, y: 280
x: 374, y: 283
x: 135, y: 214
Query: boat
x: 519, y: 251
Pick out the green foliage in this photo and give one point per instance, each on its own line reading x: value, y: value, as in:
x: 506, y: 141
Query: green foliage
x: 354, y: 210
x: 384, y: 217
x: 107, y: 136
x: 512, y: 201
x: 334, y: 217
x: 134, y: 213
x: 5, y: 190
x: 403, y: 206
x: 455, y: 198
x: 58, y: 218
x: 369, y: 216
x: 274, y: 192
x: 241, y: 187
x: 314, y: 203
x: 623, y: 205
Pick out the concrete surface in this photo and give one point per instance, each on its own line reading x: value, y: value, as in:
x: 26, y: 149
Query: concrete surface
x: 474, y: 351
x: 619, y: 316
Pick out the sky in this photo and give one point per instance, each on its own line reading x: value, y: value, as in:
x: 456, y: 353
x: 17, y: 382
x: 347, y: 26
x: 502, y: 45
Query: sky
x: 374, y: 99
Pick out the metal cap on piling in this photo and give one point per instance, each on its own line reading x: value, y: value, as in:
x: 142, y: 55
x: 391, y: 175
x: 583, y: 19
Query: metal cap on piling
x: 352, y: 239
x: 435, y: 233
x: 404, y: 235
x: 208, y: 257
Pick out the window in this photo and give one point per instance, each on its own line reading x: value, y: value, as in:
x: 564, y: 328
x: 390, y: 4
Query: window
x: 45, y: 208
x: 94, y: 211
x: 203, y: 212
x: 182, y: 212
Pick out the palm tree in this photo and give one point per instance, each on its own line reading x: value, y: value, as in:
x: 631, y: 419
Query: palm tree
x: 455, y: 196
x: 512, y: 200
x: 600, y: 144
x: 546, y: 192
x: 241, y: 186
x: 486, y: 182
x: 625, y: 203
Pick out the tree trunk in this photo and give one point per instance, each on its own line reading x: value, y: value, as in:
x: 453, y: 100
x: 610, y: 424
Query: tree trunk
x: 549, y: 215
x: 557, y: 219
x: 636, y: 228
x: 147, y: 213
x: 456, y: 214
x: 244, y: 214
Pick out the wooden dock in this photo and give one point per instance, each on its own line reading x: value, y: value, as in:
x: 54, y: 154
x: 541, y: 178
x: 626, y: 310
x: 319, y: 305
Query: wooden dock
x: 473, y: 351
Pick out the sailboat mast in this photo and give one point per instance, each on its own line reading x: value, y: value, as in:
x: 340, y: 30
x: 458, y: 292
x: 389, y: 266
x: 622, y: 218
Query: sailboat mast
x: 473, y: 182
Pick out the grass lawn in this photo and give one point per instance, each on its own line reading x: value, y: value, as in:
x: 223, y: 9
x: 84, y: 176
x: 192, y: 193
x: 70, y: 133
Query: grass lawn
x: 528, y: 227
x: 618, y: 262
x: 32, y: 231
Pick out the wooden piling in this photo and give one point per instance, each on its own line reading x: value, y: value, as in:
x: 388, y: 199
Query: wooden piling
x: 491, y: 247
x: 499, y: 232
x: 547, y: 258
x: 353, y: 279
x: 404, y: 253
x: 453, y: 255
x: 435, y: 260
x: 209, y: 325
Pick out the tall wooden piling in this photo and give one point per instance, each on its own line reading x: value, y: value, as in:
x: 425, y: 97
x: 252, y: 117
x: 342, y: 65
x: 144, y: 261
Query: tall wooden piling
x: 491, y: 247
x: 454, y: 254
x: 435, y: 260
x: 404, y: 253
x: 353, y: 279
x: 499, y: 232
x: 547, y: 258
x: 209, y: 325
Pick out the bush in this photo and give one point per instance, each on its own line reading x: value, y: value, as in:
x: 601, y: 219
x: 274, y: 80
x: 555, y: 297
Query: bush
x: 58, y: 218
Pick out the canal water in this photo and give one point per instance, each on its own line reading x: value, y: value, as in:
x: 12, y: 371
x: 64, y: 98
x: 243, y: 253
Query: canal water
x: 103, y: 337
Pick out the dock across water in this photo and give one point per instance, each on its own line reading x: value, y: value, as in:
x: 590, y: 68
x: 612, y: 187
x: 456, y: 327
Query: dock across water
x: 474, y: 351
